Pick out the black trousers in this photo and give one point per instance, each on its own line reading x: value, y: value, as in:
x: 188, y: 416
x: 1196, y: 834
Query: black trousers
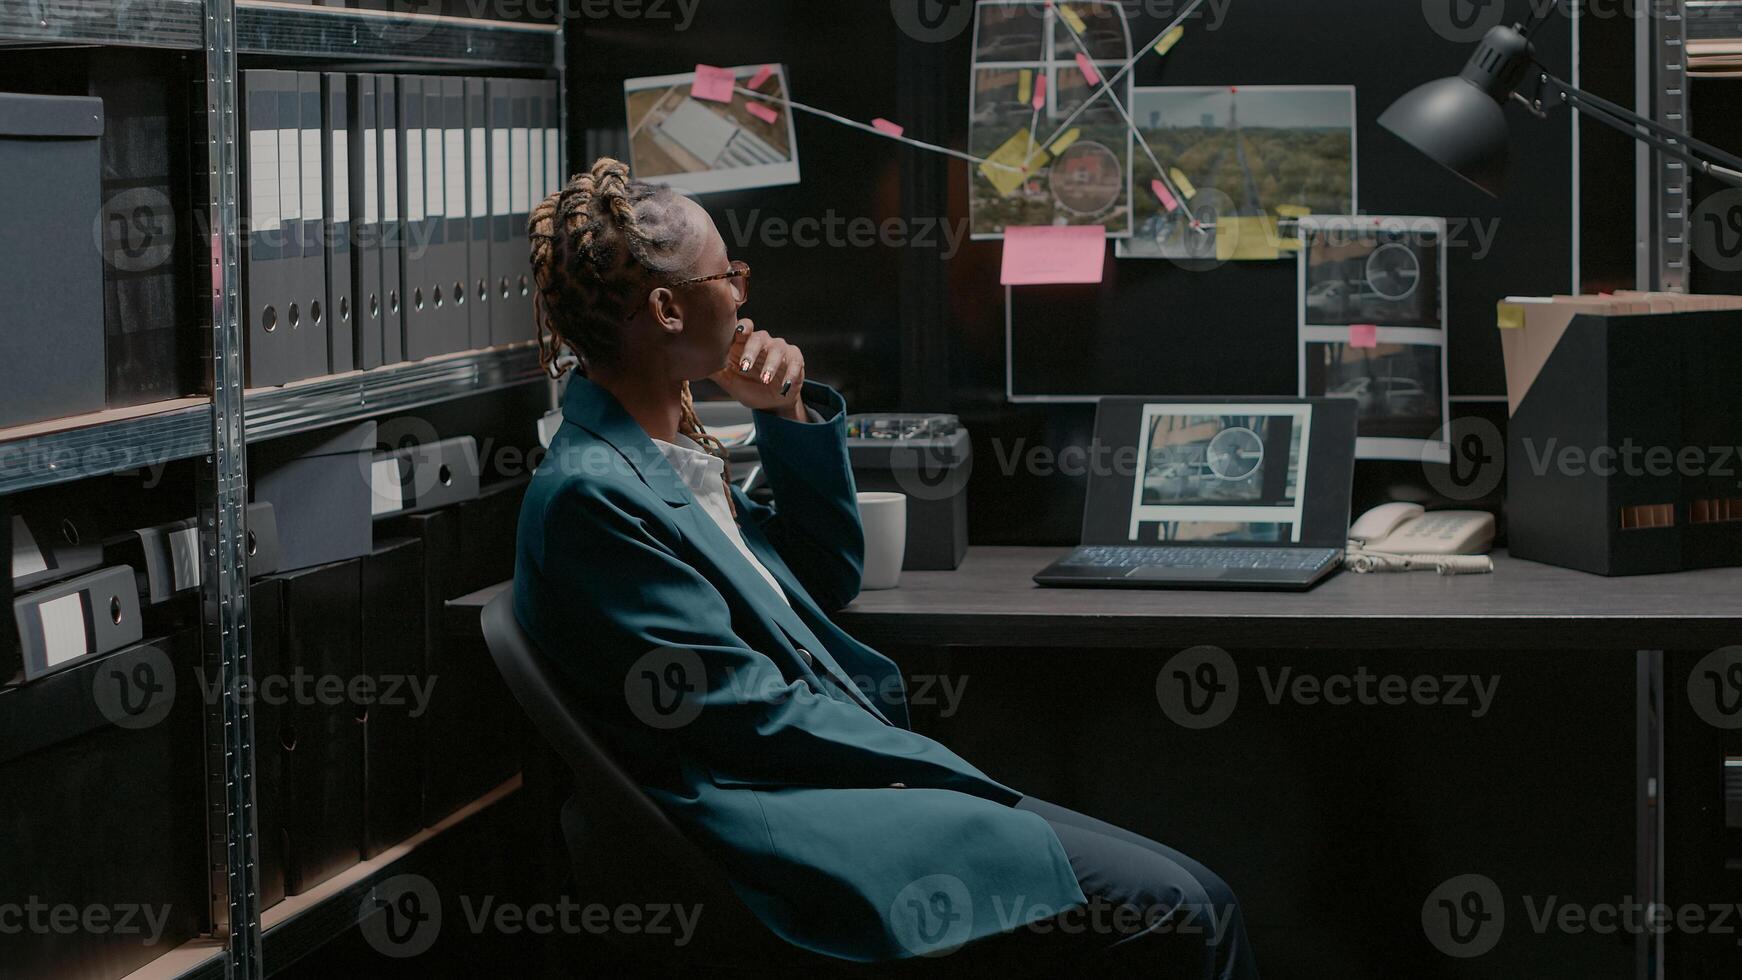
x: 1152, y: 912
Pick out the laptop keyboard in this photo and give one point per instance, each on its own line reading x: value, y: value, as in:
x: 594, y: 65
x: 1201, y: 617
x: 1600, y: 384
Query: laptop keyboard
x: 1175, y: 556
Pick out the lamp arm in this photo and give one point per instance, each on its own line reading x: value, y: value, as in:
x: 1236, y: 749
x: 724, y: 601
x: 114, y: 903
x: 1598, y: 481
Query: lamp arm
x: 1720, y: 164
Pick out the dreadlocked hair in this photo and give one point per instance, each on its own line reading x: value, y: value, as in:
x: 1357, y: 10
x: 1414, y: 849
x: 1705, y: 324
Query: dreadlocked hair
x: 597, y: 245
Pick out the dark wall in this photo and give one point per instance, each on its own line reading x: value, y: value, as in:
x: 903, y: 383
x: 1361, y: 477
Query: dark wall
x: 923, y: 327
x: 838, y: 304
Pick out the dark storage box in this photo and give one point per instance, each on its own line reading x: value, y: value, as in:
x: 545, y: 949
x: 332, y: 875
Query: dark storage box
x: 308, y: 741
x: 104, y: 810
x: 393, y: 656
x: 51, y: 337
x: 473, y: 730
x: 1621, y: 455
x: 149, y: 318
x: 318, y: 486
x: 932, y: 471
x: 265, y: 615
x: 9, y: 648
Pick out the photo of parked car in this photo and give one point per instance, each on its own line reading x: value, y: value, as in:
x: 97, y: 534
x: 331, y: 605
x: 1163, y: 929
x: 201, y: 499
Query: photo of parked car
x: 1396, y: 387
x: 1389, y: 276
x: 1220, y: 459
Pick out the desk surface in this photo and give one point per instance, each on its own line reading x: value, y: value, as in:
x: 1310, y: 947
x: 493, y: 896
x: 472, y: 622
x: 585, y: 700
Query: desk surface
x: 991, y: 600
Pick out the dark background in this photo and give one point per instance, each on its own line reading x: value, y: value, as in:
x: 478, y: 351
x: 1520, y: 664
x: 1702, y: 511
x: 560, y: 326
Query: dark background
x: 1330, y: 825
x: 919, y: 329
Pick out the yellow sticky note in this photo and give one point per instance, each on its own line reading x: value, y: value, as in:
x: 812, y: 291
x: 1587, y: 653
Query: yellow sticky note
x: 1293, y: 210
x: 1069, y: 137
x: 1007, y: 167
x: 1247, y: 239
x: 1025, y: 85
x: 1182, y: 182
x: 1510, y: 316
x: 1072, y: 18
x: 1170, y: 39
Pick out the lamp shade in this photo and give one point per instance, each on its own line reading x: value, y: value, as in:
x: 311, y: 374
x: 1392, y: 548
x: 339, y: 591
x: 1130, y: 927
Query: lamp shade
x: 1457, y: 124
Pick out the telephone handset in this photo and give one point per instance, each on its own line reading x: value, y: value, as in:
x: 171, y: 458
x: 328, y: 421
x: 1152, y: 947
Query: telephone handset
x: 1401, y: 537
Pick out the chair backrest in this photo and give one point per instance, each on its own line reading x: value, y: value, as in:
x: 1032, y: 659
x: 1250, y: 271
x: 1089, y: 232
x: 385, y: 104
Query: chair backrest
x: 541, y: 692
x: 660, y: 857
x: 662, y: 864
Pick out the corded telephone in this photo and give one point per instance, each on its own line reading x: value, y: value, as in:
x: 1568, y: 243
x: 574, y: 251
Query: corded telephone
x: 1401, y: 537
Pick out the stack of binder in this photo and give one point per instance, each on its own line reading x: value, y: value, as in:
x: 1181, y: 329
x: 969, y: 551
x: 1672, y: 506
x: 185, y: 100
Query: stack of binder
x: 386, y: 216
x: 67, y: 608
x: 105, y: 812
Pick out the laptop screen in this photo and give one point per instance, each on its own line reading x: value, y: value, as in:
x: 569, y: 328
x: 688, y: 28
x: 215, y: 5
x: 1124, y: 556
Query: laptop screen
x: 1222, y: 472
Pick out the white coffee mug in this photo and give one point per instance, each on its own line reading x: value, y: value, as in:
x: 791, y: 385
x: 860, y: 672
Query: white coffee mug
x: 884, y: 516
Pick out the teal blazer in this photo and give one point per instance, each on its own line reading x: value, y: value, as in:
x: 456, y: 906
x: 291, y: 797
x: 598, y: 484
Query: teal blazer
x: 768, y: 734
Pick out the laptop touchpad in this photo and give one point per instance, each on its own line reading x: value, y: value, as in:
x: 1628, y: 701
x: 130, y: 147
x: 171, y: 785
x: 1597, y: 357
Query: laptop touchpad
x: 1175, y: 573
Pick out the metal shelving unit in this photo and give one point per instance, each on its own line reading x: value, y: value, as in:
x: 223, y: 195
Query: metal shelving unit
x: 1669, y: 183
x: 271, y: 28
x: 134, y: 23
x: 1714, y: 20
x: 303, y: 923
x: 216, y: 431
x: 105, y: 445
x: 273, y: 412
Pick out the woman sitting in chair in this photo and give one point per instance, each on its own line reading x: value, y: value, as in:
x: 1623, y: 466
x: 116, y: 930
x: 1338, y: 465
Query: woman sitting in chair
x: 692, y: 622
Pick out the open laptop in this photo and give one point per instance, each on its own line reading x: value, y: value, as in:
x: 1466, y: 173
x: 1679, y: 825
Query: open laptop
x: 1214, y: 493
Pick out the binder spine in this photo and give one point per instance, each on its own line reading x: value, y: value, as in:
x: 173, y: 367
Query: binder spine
x: 478, y: 213
x: 365, y: 178
x: 312, y: 289
x: 393, y: 299
x: 414, y: 250
x: 457, y: 329
x: 263, y: 296
x: 340, y: 234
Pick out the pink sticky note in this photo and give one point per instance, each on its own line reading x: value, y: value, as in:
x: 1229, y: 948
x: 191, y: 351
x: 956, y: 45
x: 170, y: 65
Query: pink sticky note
x: 885, y: 126
x: 1164, y: 195
x: 1040, y: 91
x: 763, y: 74
x: 1087, y: 67
x: 1363, y: 335
x: 713, y: 84
x: 1036, y: 254
x: 762, y: 112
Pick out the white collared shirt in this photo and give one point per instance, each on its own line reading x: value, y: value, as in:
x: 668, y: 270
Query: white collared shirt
x: 702, y: 472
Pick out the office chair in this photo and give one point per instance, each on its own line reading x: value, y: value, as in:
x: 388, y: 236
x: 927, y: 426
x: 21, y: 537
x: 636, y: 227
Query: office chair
x: 625, y: 852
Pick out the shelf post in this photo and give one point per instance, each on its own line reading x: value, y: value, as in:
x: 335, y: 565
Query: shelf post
x: 229, y: 733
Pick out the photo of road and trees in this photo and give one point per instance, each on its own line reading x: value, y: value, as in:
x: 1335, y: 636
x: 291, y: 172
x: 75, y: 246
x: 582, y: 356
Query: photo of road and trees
x: 1246, y: 151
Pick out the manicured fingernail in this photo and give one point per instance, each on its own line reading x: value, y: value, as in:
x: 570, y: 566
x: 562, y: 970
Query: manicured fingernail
x: 744, y: 365
x: 786, y: 387
x: 767, y: 376
x: 739, y: 328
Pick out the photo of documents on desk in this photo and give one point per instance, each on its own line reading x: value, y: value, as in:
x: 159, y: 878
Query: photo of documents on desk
x: 698, y: 139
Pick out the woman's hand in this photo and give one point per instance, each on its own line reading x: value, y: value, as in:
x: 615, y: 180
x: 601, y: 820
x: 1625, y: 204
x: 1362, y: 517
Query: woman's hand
x: 763, y: 372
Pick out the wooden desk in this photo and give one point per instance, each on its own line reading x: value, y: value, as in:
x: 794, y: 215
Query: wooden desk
x: 992, y: 601
x: 1609, y: 633
x: 991, y: 604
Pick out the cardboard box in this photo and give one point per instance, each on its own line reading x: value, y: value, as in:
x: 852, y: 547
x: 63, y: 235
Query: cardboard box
x: 1624, y: 433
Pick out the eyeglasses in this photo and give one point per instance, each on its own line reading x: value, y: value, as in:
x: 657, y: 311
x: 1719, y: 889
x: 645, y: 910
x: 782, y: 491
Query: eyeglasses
x: 740, y: 271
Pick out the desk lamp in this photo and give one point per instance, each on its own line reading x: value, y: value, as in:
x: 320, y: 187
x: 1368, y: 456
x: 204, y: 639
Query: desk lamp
x: 1461, y: 121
